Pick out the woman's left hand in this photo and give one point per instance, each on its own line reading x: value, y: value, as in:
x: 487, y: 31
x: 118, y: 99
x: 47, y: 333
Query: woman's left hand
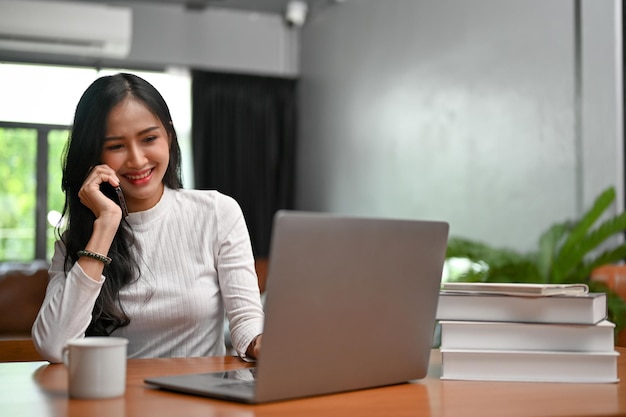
x: 254, y: 349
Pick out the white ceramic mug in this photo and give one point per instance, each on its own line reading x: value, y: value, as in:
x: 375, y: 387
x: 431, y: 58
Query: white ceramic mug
x: 96, y: 367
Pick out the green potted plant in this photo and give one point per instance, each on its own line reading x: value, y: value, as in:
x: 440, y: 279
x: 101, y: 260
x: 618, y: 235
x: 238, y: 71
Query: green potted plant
x: 567, y: 253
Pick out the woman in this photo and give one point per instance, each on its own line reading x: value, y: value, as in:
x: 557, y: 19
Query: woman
x: 163, y: 276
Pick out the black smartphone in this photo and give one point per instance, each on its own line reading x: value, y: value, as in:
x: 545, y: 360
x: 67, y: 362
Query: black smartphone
x: 115, y: 194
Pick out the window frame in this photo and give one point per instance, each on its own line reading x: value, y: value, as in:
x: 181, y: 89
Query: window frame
x: 41, y: 176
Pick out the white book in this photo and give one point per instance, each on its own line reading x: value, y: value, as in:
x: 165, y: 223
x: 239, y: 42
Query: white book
x: 589, y: 308
x: 483, y: 335
x: 529, y: 366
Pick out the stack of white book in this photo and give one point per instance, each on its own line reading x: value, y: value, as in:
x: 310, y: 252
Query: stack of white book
x: 525, y: 332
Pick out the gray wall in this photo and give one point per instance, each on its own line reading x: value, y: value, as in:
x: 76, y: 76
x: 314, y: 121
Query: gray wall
x: 465, y: 111
x: 602, y: 146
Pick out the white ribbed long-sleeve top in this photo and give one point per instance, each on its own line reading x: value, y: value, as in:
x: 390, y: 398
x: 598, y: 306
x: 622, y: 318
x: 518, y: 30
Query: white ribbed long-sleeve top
x: 196, y: 264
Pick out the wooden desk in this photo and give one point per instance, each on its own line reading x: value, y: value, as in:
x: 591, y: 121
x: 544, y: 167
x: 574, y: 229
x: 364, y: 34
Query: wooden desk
x: 40, y: 389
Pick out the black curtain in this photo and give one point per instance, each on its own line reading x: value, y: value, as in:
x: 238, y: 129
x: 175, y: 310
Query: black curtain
x: 243, y: 140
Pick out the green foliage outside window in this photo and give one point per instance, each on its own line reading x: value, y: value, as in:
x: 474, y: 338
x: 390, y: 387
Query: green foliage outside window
x: 17, y: 193
x: 18, y: 190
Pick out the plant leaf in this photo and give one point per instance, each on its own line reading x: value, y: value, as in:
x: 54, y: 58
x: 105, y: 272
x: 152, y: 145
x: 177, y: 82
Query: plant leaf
x: 563, y: 260
x: 576, y: 256
x: 523, y: 270
x: 465, y: 248
x: 548, y: 244
x: 611, y: 256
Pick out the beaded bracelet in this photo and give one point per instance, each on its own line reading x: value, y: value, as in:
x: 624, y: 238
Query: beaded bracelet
x: 104, y: 259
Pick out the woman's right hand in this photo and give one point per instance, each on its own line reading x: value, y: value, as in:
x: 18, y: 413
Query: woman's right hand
x: 92, y: 197
x: 108, y: 217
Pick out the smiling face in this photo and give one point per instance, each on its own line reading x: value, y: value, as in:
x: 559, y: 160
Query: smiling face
x: 137, y: 148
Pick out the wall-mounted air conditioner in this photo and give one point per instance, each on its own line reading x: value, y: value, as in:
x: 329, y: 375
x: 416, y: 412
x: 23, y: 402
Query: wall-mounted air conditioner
x: 91, y: 30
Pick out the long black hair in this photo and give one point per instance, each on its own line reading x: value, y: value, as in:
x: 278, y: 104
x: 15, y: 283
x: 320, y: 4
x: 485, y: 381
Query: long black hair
x: 83, y: 151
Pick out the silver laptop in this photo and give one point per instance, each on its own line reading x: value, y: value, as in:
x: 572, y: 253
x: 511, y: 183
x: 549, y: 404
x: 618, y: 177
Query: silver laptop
x: 350, y: 304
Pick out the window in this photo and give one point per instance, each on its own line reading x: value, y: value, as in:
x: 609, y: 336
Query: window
x: 30, y: 173
x: 36, y: 110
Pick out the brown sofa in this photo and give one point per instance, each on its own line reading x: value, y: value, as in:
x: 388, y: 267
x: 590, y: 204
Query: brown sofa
x: 22, y: 289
